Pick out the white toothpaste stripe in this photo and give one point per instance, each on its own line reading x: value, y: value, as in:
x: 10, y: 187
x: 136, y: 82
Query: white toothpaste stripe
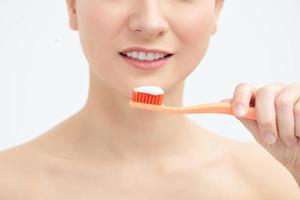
x: 153, y: 90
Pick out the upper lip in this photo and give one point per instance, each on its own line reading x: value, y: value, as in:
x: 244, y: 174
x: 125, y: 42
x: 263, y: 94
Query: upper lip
x: 146, y: 50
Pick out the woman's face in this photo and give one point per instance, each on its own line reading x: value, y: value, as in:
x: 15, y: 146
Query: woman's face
x: 107, y: 27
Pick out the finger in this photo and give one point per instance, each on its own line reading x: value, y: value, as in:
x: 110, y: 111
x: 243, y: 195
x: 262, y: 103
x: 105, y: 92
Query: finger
x: 297, y: 117
x: 252, y: 126
x: 285, y: 113
x: 266, y: 112
x: 243, y: 94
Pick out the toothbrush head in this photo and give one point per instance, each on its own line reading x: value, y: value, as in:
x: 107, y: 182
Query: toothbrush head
x: 148, y: 95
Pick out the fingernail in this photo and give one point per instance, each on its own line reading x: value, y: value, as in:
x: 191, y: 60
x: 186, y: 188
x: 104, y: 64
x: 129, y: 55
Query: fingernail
x: 269, y: 138
x: 240, y: 110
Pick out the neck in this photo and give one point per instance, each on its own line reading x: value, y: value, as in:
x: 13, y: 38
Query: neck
x: 112, y: 124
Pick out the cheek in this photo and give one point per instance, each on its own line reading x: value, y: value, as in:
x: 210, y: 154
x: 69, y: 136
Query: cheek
x: 193, y: 22
x: 196, y: 28
x: 194, y: 31
x: 97, y: 24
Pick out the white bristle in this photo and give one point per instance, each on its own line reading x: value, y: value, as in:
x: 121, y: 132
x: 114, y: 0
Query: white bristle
x: 153, y: 90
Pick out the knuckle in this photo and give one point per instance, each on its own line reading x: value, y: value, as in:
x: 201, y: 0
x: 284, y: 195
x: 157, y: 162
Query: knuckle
x: 280, y: 85
x: 294, y: 85
x: 283, y: 102
x: 240, y: 91
x: 248, y: 86
x: 266, y: 90
x: 242, y: 85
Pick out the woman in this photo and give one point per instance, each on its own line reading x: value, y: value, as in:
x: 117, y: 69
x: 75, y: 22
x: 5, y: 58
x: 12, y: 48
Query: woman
x: 108, y: 150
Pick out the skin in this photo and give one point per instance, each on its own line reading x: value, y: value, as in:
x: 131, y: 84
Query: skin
x: 109, y: 150
x: 277, y: 108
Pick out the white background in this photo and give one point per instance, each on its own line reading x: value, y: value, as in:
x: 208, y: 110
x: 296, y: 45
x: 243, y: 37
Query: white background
x: 44, y: 75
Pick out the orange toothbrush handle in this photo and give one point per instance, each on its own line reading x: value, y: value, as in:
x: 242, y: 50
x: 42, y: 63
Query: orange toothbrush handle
x: 222, y: 108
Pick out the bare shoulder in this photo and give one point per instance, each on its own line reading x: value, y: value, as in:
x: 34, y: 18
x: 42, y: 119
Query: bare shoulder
x: 268, y: 176
x: 17, y: 165
x: 27, y: 166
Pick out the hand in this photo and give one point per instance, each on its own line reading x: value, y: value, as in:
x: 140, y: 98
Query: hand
x: 277, y: 124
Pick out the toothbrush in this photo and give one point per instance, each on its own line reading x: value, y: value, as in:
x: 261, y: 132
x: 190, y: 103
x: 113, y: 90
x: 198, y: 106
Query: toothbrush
x: 151, y: 98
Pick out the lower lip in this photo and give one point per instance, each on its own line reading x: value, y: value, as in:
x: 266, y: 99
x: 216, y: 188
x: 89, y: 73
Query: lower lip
x: 146, y: 64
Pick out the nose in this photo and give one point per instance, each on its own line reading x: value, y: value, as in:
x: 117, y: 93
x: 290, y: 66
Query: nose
x: 147, y: 20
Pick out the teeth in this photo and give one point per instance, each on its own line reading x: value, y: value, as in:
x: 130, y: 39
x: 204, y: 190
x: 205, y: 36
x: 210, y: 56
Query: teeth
x: 150, y: 56
x: 145, y: 56
x: 135, y: 54
x: 142, y: 56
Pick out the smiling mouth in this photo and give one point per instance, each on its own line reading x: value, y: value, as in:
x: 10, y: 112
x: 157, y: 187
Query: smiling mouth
x: 144, y: 59
x: 146, y: 63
